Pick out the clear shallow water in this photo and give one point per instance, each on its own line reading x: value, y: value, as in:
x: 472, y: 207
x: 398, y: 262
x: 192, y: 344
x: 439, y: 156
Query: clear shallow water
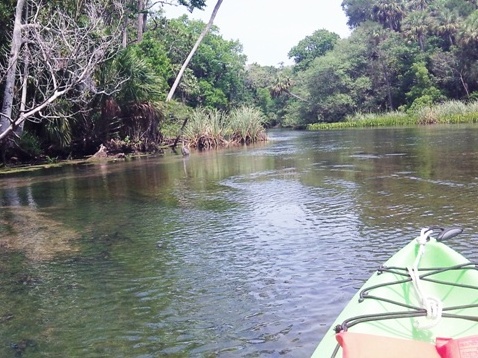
x: 244, y: 252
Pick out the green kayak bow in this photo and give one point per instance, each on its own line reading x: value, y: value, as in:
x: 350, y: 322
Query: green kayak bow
x: 423, y: 302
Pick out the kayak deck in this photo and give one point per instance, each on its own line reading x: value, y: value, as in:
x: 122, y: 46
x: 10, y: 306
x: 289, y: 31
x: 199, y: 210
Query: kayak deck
x: 388, y: 303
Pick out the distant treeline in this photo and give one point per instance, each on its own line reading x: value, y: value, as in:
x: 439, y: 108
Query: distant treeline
x: 110, y: 81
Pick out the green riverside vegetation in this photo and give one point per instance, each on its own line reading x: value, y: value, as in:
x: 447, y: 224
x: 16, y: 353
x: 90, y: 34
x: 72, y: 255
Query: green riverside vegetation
x: 210, y: 128
x: 405, y: 62
x: 450, y: 112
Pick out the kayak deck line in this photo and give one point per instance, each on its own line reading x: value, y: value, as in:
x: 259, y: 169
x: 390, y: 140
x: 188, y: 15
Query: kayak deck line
x: 418, y: 311
x: 365, y: 293
x: 388, y: 305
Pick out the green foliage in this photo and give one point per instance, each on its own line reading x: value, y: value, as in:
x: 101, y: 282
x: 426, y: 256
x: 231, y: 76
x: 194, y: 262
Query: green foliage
x: 155, y: 55
x: 468, y: 33
x: 246, y: 125
x: 175, y: 114
x: 216, y: 74
x: 473, y: 96
x: 143, y: 81
x: 210, y: 96
x: 450, y: 112
x: 264, y: 100
x: 258, y: 82
x: 281, y: 85
x: 416, y: 27
x: 389, y: 13
x: 463, y: 7
x: 58, y: 131
x: 371, y: 120
x: 55, y: 133
x: 30, y: 145
x: 311, y: 47
x: 357, y: 11
x: 192, y: 4
x: 207, y: 128
x: 202, y: 123
x: 334, y: 84
x: 423, y: 92
x: 134, y: 109
x: 7, y: 10
x: 420, y: 102
x: 402, y: 54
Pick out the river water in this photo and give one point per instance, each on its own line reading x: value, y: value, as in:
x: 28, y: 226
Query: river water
x: 242, y: 252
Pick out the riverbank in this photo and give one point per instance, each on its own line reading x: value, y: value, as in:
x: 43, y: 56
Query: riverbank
x: 451, y: 112
x: 201, y: 129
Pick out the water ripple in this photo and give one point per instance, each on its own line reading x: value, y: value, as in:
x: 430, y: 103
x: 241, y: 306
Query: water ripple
x: 250, y: 252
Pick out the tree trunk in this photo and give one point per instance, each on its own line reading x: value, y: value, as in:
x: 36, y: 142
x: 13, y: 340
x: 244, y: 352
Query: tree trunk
x: 421, y: 42
x: 387, y: 83
x: 124, y: 33
x: 173, y: 147
x: 19, y: 129
x: 195, y: 47
x: 140, y: 23
x: 24, y: 86
x: 16, y: 44
x: 295, y: 95
x: 464, y: 84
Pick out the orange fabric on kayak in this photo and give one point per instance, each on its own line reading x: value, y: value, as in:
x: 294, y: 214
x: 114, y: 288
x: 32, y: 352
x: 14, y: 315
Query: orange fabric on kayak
x: 466, y: 347
x: 361, y: 345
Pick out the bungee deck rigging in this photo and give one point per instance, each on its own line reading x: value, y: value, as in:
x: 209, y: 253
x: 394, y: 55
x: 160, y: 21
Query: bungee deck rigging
x: 414, y: 302
x: 414, y: 311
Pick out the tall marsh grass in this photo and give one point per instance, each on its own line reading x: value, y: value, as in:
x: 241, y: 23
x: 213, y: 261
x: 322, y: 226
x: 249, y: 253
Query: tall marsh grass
x: 205, y: 128
x: 208, y: 128
x: 450, y: 112
x: 246, y: 125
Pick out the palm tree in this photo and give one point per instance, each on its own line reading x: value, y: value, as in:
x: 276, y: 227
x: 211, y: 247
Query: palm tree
x: 447, y: 25
x: 380, y: 55
x: 134, y: 112
x: 389, y: 13
x: 419, y: 5
x: 282, y: 85
x: 469, y: 30
x: 416, y: 25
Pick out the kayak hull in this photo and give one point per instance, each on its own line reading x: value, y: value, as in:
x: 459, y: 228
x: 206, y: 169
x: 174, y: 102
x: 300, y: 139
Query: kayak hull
x: 389, y: 305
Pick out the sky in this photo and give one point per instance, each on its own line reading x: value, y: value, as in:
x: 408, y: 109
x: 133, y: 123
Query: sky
x: 268, y: 29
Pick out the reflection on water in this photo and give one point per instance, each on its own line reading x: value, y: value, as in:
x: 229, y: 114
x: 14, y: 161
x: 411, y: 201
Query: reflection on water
x: 242, y: 252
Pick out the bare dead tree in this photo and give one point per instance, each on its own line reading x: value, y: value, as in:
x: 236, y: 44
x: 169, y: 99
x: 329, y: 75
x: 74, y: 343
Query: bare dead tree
x: 54, y: 54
